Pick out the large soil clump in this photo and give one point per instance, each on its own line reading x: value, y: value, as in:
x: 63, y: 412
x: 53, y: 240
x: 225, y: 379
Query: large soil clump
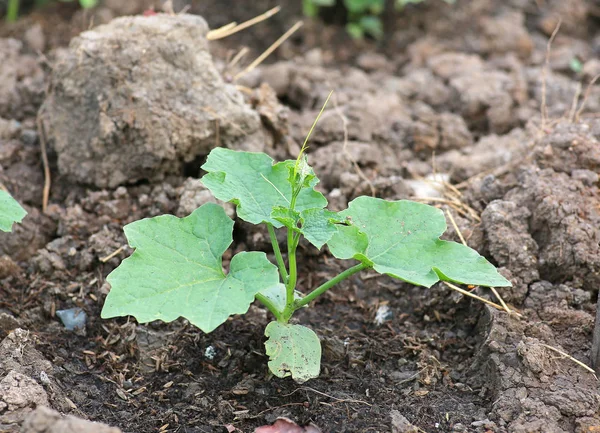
x: 137, y: 98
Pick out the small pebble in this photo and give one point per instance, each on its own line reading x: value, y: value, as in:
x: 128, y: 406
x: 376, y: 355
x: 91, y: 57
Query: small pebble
x: 73, y: 318
x: 210, y: 353
x: 384, y: 313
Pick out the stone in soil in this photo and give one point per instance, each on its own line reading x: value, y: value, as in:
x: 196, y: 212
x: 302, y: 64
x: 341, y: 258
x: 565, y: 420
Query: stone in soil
x: 138, y: 98
x: 45, y: 420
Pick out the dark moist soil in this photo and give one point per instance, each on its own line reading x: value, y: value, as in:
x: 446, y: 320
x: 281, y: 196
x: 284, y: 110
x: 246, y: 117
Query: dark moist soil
x: 451, y: 89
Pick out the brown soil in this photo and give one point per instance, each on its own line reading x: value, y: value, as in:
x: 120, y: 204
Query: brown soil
x: 465, y: 83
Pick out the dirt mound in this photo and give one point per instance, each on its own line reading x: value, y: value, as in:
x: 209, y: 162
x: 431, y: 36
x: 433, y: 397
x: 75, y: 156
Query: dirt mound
x: 545, y: 231
x: 138, y: 98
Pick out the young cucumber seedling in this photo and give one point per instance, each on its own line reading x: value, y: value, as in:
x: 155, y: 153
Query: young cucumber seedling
x: 10, y: 211
x: 176, y: 269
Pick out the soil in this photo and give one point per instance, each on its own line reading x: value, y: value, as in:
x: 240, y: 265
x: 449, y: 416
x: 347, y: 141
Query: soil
x: 461, y: 92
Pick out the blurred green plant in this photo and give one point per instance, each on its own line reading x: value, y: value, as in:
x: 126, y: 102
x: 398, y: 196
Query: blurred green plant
x: 12, y: 9
x: 576, y: 65
x: 364, y: 16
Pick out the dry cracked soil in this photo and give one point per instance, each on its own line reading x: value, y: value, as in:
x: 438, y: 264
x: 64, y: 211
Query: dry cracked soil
x: 464, y: 106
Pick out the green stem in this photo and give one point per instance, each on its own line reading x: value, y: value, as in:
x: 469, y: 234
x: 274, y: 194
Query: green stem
x: 12, y: 11
x: 290, y: 287
x: 277, y: 251
x: 329, y: 284
x: 270, y: 306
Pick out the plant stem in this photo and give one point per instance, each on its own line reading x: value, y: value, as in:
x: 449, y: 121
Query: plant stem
x: 329, y: 284
x: 290, y: 287
x: 270, y: 306
x: 12, y: 11
x: 277, y: 251
x: 292, y: 243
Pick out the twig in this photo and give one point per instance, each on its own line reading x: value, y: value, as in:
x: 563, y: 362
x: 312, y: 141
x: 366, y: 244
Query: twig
x: 47, y: 178
x: 452, y: 188
x: 566, y: 355
x: 456, y: 229
x: 462, y: 239
x: 223, y: 29
x: 224, y: 32
x: 588, y: 90
x: 479, y: 298
x: 113, y: 254
x: 269, y: 50
x: 339, y: 400
x: 574, y: 103
x: 544, y: 108
x: 235, y: 60
x: 495, y: 292
x: 459, y: 206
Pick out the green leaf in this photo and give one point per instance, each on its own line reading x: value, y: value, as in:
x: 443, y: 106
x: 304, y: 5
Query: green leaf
x: 401, y: 239
x: 319, y: 225
x: 309, y: 8
x: 401, y: 3
x: 277, y: 295
x: 293, y: 350
x: 372, y: 26
x: 576, y: 65
x: 355, y: 30
x: 363, y: 6
x: 176, y: 271
x: 255, y: 185
x: 289, y: 218
x: 316, y: 225
x: 86, y: 4
x: 327, y: 3
x: 10, y: 211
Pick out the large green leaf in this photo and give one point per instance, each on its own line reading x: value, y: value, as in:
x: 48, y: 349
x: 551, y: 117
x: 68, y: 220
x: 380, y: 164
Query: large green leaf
x: 401, y: 239
x: 293, y: 350
x: 176, y: 271
x: 10, y: 211
x: 255, y: 185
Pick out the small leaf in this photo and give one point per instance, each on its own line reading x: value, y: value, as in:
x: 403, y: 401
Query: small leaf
x: 400, y: 4
x: 10, y: 211
x: 255, y: 185
x: 316, y: 225
x: 372, y: 25
x: 176, y: 271
x: 277, y: 295
x: 302, y: 174
x: 309, y: 8
x: 576, y: 65
x: 401, y: 239
x: 358, y: 6
x: 293, y: 350
x: 355, y: 30
x: 289, y: 218
x: 86, y: 4
x: 319, y: 225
